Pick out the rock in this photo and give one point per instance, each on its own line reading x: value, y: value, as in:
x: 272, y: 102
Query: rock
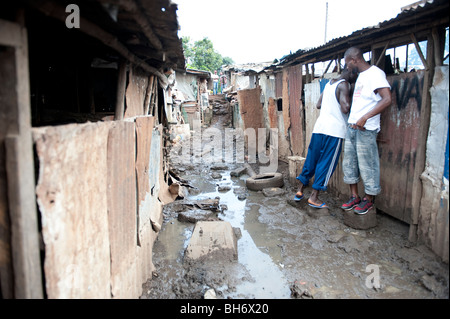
x: 219, y: 167
x: 336, y: 237
x: 242, y: 196
x: 216, y: 175
x: 196, y: 215
x: 356, y: 221
x: 224, y: 188
x: 273, y: 191
x: 213, y: 239
x: 299, y: 290
x: 348, y: 244
x: 238, y: 171
x: 431, y: 284
x: 210, y: 294
x: 237, y: 232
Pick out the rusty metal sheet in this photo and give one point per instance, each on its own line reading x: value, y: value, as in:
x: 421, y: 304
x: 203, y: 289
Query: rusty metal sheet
x: 272, y: 112
x: 398, y: 142
x: 252, y: 115
x: 251, y: 109
x: 296, y: 110
x: 72, y: 199
x: 135, y: 94
x: 122, y: 209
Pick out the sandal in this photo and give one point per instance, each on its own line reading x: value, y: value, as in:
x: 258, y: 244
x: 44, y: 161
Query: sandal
x: 323, y: 205
x: 298, y: 197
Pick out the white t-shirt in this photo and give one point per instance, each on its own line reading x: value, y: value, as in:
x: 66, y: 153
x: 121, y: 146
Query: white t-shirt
x: 331, y: 120
x: 364, y: 97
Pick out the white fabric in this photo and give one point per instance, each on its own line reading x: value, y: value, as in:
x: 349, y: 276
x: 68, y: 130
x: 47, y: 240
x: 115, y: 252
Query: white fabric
x: 331, y: 120
x: 364, y: 97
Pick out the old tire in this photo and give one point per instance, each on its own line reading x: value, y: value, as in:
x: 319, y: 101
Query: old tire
x: 261, y: 181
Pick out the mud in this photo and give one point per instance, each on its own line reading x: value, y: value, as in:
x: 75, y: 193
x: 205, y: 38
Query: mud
x: 288, y: 249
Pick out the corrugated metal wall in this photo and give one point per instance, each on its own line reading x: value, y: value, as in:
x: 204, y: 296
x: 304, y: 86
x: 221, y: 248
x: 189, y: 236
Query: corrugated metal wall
x: 98, y: 242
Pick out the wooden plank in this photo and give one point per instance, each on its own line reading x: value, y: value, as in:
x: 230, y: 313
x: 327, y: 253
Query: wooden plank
x: 120, y: 96
x: 122, y: 209
x: 297, y: 136
x: 419, y: 50
x: 18, y: 160
x: 135, y: 93
x: 72, y: 198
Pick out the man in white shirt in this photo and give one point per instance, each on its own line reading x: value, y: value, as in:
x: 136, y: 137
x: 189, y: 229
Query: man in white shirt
x: 371, y: 96
x: 326, y: 142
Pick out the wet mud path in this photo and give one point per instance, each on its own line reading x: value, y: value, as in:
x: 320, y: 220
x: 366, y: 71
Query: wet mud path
x: 287, y: 249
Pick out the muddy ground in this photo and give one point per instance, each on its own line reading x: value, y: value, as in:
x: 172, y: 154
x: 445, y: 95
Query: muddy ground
x: 288, y: 250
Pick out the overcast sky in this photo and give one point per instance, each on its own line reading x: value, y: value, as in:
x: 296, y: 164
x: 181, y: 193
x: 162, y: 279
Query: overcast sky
x: 264, y: 30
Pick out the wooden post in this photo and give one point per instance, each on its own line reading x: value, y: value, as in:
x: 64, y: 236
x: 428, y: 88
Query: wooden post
x: 419, y: 50
x: 425, y: 114
x: 148, y: 94
x: 19, y: 164
x: 121, y: 82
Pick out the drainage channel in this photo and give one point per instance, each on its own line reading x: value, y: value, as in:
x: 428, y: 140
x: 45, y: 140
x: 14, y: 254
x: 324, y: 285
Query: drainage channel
x: 257, y: 248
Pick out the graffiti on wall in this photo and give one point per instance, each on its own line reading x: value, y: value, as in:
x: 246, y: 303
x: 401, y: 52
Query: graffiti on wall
x: 406, y: 88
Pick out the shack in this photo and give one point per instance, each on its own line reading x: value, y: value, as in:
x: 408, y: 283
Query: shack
x: 413, y: 141
x: 83, y: 174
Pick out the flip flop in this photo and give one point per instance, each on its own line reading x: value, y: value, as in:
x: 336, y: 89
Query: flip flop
x: 323, y: 205
x: 297, y: 197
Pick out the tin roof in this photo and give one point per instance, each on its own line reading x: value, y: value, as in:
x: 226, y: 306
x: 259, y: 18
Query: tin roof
x: 417, y: 18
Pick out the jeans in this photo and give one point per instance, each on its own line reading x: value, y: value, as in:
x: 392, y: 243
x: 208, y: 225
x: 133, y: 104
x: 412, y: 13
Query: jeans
x: 216, y: 85
x: 361, y: 160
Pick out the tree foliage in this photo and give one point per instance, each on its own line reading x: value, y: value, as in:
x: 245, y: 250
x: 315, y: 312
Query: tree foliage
x: 202, y: 56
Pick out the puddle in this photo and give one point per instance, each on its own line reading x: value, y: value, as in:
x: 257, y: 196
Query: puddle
x: 258, y: 251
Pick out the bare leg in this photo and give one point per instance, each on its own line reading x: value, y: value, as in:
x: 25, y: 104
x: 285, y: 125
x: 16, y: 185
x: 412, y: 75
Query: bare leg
x: 354, y: 190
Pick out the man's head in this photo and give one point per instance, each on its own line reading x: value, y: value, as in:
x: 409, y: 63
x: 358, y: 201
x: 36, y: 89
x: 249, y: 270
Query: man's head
x: 350, y: 75
x: 354, y: 58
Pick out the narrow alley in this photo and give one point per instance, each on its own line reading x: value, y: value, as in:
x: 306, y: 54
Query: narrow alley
x: 285, y: 249
x: 137, y: 163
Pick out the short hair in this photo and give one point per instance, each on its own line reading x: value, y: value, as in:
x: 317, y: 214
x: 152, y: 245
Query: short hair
x: 354, y: 53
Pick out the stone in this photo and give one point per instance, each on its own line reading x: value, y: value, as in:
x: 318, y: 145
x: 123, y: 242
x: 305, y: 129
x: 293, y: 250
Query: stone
x: 210, y: 294
x: 196, y: 215
x: 295, y: 167
x: 238, y: 172
x: 273, y: 191
x: 212, y: 239
x: 356, y: 221
x: 216, y: 175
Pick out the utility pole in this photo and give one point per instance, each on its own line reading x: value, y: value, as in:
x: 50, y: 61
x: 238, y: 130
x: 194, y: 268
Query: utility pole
x: 326, y: 22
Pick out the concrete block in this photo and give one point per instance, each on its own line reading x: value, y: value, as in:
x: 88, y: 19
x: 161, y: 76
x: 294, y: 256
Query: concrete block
x: 356, y: 221
x: 212, y: 239
x: 295, y: 167
x: 238, y: 171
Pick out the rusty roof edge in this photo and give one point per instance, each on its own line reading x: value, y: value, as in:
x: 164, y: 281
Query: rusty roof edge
x: 420, y: 7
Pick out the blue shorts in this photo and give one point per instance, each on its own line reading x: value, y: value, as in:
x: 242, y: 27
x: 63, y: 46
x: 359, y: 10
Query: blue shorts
x: 361, y: 160
x: 321, y: 160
